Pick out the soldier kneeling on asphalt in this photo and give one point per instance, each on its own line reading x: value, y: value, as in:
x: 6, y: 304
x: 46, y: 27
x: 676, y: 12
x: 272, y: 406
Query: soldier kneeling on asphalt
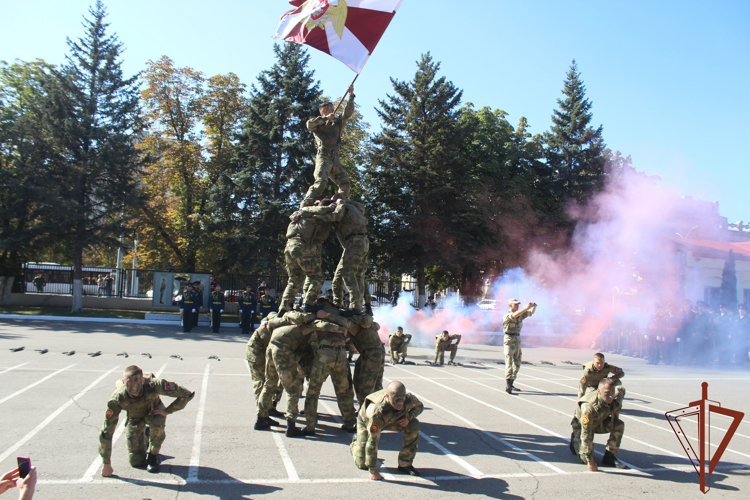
x: 392, y: 409
x: 138, y: 395
x: 446, y: 342
x: 597, y: 413
x: 398, y: 343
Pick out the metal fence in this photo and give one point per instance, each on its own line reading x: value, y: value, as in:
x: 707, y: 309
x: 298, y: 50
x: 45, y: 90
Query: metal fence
x: 111, y: 282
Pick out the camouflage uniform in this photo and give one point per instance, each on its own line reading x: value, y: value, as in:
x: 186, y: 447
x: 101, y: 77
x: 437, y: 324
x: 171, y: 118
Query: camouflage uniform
x: 512, y: 342
x: 446, y: 345
x: 302, y: 255
x: 592, y: 376
x: 398, y: 345
x: 594, y: 416
x: 139, y: 414
x: 351, y: 230
x: 282, y: 365
x: 256, y: 357
x: 330, y: 359
x: 327, y: 163
x: 377, y: 415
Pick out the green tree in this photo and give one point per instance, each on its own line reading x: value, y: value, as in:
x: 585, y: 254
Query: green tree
x: 418, y: 176
x: 729, y: 282
x: 23, y: 183
x: 92, y: 117
x: 575, y: 150
x: 273, y: 164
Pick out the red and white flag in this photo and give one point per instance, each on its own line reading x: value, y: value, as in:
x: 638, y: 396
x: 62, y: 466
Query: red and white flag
x: 347, y: 30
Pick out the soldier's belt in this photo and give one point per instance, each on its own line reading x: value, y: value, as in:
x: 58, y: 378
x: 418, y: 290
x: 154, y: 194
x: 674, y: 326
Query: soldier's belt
x: 515, y: 334
x: 332, y: 347
x: 353, y: 235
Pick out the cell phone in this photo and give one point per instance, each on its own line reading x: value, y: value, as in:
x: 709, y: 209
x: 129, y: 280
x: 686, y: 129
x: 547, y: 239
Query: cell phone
x: 24, y: 466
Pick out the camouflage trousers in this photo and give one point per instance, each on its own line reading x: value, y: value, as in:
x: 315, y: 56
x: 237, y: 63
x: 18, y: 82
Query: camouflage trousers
x: 610, y: 425
x: 303, y: 268
x: 368, y: 372
x: 135, y: 434
x: 512, y: 350
x: 365, y: 449
x: 440, y: 353
x: 351, y: 272
x: 398, y: 350
x: 333, y: 362
x: 256, y: 359
x: 282, y: 365
x: 327, y: 166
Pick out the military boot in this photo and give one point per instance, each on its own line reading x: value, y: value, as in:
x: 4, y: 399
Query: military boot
x: 570, y: 446
x: 409, y: 469
x: 291, y: 429
x: 509, y: 386
x: 273, y: 411
x: 350, y: 430
x: 272, y: 422
x: 513, y: 386
x: 308, y: 432
x: 152, y: 463
x: 609, y: 460
x: 261, y: 424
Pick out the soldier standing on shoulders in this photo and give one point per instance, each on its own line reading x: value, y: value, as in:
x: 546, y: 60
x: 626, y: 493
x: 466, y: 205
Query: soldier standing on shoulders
x: 597, y: 370
x: 597, y: 413
x: 392, y: 409
x: 216, y: 304
x: 327, y: 130
x: 138, y: 395
x: 398, y: 343
x: 512, y: 323
x: 247, y: 305
x: 446, y: 342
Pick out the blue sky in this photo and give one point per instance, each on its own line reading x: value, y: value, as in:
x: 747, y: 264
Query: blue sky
x: 668, y: 80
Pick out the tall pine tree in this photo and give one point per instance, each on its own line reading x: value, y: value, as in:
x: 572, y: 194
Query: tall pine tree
x: 273, y: 163
x: 575, y: 150
x: 417, y: 177
x: 93, y: 120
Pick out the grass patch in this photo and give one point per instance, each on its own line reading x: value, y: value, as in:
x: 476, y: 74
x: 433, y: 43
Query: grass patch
x: 65, y: 311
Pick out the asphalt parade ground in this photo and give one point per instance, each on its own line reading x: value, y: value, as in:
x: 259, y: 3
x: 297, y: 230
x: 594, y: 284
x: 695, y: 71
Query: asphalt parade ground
x: 475, y: 438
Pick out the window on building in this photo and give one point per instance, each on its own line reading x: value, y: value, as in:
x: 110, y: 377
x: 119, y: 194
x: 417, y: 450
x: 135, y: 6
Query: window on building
x: 712, y: 295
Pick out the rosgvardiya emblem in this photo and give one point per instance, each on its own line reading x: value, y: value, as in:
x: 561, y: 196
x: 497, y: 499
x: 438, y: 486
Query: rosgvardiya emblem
x: 322, y: 11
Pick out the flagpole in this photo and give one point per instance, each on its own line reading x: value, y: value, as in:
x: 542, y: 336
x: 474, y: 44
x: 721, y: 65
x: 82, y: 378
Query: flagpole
x: 347, y: 89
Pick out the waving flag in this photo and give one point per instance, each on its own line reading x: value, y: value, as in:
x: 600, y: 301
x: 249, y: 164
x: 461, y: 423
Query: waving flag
x: 347, y: 30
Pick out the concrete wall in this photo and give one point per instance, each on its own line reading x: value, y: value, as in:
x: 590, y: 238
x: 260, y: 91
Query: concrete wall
x: 701, y: 272
x: 45, y: 300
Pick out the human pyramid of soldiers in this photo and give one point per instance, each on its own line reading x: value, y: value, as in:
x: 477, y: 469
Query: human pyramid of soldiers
x: 309, y: 342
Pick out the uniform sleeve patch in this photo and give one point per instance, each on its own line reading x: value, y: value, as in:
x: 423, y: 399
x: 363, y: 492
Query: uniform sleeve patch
x: 374, y: 429
x: 584, y: 420
x: 618, y: 370
x: 169, y: 386
x: 109, y: 413
x: 413, y: 397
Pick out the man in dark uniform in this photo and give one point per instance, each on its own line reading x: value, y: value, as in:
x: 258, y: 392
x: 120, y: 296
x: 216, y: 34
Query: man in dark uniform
x: 216, y: 304
x: 346, y: 300
x: 247, y: 307
x: 741, y: 336
x: 198, y: 291
x: 266, y: 304
x: 187, y: 308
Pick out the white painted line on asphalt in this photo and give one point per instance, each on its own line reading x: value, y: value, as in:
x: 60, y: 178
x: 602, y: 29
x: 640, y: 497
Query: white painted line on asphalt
x: 402, y: 479
x: 21, y: 391
x: 631, y: 403
x: 285, y: 458
x: 486, y: 432
x: 88, y: 476
x: 54, y: 415
x: 14, y: 367
x: 473, y: 471
x: 195, y: 457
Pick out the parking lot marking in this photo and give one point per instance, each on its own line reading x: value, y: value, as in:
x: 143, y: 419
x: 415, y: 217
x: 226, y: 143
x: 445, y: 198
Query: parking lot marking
x: 473, y: 471
x: 52, y: 416
x: 285, y: 458
x: 195, y: 456
x: 21, y: 391
x: 89, y: 474
x: 14, y: 367
x: 486, y: 432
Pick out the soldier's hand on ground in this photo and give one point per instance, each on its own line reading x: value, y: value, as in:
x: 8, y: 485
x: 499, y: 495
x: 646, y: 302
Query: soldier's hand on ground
x: 322, y: 314
x: 375, y: 476
x: 403, y: 421
x: 107, y: 470
x: 159, y: 411
x: 593, y: 467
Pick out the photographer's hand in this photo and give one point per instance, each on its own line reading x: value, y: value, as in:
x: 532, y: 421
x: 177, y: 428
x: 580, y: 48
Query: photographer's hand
x: 8, y: 481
